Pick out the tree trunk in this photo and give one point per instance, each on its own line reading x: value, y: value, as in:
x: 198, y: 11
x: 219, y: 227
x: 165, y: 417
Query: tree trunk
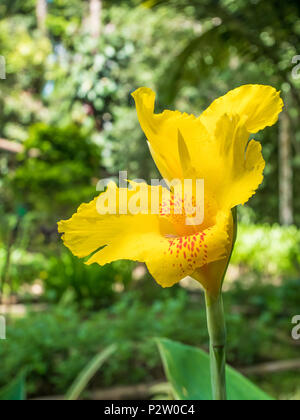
x: 95, y: 18
x: 41, y: 14
x: 285, y: 172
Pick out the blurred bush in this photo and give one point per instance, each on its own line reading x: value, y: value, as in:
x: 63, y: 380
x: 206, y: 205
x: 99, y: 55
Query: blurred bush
x: 93, y: 286
x: 63, y: 276
x: 56, y: 345
x: 56, y: 168
x: 268, y: 250
x: 25, y: 267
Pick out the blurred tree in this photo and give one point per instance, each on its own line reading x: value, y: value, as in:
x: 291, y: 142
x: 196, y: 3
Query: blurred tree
x: 285, y: 172
x: 26, y: 53
x: 91, y: 80
x: 41, y: 14
x: 14, y: 7
x: 259, y: 31
x: 95, y: 18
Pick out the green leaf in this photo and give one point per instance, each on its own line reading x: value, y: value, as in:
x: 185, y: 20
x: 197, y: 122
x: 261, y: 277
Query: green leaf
x: 15, y: 391
x: 188, y: 370
x: 88, y: 372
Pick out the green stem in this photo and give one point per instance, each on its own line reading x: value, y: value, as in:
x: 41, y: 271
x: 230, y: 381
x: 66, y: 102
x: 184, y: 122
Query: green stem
x: 217, y: 334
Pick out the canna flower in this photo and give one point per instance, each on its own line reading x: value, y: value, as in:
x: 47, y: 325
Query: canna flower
x: 214, y: 147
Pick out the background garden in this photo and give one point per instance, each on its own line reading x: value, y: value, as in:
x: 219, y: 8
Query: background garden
x: 67, y: 119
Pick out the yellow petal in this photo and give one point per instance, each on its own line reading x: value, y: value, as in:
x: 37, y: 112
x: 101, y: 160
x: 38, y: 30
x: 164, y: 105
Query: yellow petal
x: 239, y: 164
x: 142, y: 237
x: 259, y: 103
x: 215, y: 145
x: 212, y: 274
x: 124, y: 236
x: 179, y: 257
x: 162, y: 131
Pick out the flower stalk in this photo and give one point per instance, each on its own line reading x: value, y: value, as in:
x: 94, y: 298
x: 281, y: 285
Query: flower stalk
x: 217, y: 328
x: 217, y: 333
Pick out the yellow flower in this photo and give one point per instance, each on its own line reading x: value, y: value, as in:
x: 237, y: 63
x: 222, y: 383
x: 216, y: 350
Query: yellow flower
x: 214, y: 147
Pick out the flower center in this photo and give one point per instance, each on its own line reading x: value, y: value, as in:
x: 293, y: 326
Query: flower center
x: 184, y: 217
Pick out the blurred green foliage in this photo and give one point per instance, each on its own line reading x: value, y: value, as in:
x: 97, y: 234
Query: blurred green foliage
x: 63, y: 276
x: 56, y: 345
x: 91, y: 286
x: 268, y: 250
x: 67, y: 101
x: 56, y: 169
